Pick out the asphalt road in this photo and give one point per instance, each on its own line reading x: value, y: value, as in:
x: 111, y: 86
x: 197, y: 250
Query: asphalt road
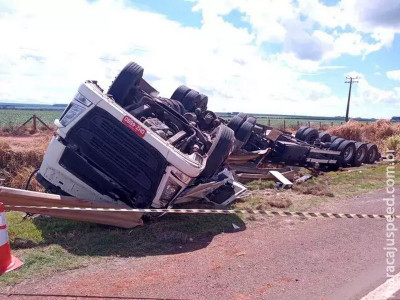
x: 279, y: 258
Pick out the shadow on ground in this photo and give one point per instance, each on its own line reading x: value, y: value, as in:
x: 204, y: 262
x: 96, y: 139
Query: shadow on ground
x: 169, y: 234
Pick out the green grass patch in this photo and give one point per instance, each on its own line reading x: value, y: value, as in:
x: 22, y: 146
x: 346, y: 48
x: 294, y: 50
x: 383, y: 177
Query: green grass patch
x: 43, y: 261
x: 63, y: 244
x: 13, y: 118
x: 335, y: 186
x: 260, y: 185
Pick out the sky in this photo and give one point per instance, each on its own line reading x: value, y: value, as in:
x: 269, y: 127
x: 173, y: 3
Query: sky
x: 258, y: 56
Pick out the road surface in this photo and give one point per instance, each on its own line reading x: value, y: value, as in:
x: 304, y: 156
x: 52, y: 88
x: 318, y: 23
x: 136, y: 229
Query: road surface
x: 278, y: 258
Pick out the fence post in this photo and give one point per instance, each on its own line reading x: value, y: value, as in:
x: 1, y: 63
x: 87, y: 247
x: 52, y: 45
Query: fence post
x: 298, y: 124
x: 284, y: 124
x: 331, y: 123
x: 269, y: 122
x: 309, y: 124
x: 320, y: 124
x: 34, y: 123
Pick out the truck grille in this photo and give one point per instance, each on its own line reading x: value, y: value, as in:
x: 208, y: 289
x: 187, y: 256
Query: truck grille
x: 110, y: 148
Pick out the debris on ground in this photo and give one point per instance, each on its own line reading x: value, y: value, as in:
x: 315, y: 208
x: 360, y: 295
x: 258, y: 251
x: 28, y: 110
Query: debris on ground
x: 304, y: 178
x: 282, y: 179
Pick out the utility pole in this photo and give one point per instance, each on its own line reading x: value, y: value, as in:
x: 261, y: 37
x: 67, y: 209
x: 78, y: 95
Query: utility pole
x: 350, y: 80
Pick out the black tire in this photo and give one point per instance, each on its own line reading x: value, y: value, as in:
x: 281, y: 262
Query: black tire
x: 244, y: 132
x: 324, y: 137
x: 203, y: 102
x: 309, y: 135
x: 373, y: 153
x: 180, y: 93
x: 242, y: 115
x: 300, y: 132
x: 219, y: 150
x: 334, y: 146
x: 333, y: 138
x: 125, y: 83
x: 361, y: 154
x: 252, y: 120
x: 175, y: 105
x: 347, y: 152
x: 191, y: 100
x: 236, y: 122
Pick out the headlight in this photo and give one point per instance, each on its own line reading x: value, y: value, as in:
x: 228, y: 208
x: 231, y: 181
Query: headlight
x: 80, y: 98
x: 170, y: 190
x: 71, y: 113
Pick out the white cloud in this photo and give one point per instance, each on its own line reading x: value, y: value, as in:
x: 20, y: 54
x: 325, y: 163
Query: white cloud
x: 300, y: 26
x: 54, y: 46
x: 383, y: 14
x: 394, y: 74
x: 370, y: 95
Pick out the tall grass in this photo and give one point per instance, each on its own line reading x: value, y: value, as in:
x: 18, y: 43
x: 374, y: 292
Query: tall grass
x: 378, y: 132
x: 16, y: 166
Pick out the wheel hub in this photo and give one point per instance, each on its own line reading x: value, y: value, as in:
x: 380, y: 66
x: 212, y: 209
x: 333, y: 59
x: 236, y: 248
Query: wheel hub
x: 348, y: 153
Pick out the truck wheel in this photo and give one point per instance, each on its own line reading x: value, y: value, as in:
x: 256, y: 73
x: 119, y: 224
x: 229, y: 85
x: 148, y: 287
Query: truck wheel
x: 175, y: 105
x: 236, y: 122
x: 333, y: 138
x: 219, y: 150
x: 244, y: 132
x: 203, y: 102
x: 361, y: 154
x: 252, y: 120
x: 300, y: 132
x: 372, y: 154
x: 191, y: 100
x: 347, y: 151
x: 334, y: 146
x: 126, y: 82
x: 180, y: 93
x: 309, y: 135
x: 324, y: 137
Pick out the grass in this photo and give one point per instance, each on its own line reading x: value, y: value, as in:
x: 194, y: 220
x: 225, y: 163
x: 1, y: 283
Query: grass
x: 43, y: 261
x: 63, y: 245
x: 260, y: 185
x: 13, y: 118
x: 336, y: 186
x: 332, y: 186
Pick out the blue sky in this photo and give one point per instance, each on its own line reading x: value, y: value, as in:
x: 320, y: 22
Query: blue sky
x: 266, y: 56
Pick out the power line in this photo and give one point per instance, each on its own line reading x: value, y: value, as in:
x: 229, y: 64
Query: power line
x: 350, y: 80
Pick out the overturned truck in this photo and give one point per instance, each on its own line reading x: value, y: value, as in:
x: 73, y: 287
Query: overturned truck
x: 132, y: 146
x: 307, y: 147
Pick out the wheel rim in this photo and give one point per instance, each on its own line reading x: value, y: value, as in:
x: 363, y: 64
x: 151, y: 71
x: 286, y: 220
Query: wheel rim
x: 348, y: 153
x: 361, y: 154
x: 372, y: 154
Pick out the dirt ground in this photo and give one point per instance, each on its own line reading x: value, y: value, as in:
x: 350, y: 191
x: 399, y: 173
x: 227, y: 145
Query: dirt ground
x: 275, y: 258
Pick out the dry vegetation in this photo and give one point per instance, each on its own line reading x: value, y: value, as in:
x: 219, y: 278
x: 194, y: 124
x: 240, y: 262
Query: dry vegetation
x: 19, y: 157
x: 383, y: 133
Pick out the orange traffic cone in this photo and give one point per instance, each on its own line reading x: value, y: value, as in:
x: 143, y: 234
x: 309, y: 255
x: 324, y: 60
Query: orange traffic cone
x: 7, y: 261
